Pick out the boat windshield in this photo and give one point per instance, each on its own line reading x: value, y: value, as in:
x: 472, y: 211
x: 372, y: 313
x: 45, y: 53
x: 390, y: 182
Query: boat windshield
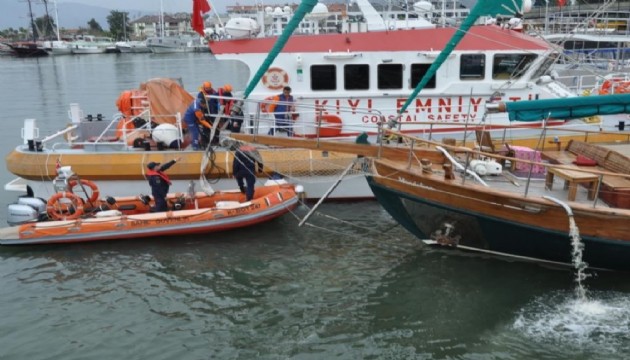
x: 545, y: 66
x: 511, y: 66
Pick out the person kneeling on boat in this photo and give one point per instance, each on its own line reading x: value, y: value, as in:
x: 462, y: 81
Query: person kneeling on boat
x: 244, y: 168
x: 160, y: 183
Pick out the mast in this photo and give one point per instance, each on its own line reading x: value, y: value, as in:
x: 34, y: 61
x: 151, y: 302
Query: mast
x: 124, y: 26
x: 162, y: 18
x: 56, y: 20
x: 33, y: 26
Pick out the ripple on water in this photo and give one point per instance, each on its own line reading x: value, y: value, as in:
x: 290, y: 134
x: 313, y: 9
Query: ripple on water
x: 600, y: 324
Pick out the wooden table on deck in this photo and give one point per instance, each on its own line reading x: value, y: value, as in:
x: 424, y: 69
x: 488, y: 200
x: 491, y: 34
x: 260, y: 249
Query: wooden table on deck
x: 572, y: 179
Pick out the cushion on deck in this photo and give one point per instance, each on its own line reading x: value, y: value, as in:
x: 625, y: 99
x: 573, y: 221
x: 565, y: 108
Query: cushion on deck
x: 582, y: 160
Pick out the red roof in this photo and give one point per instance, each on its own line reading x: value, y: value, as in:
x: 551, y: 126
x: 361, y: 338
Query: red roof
x: 480, y: 38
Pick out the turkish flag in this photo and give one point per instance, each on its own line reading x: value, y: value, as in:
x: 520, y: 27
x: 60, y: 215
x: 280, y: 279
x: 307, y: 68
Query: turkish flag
x: 561, y: 3
x: 199, y: 7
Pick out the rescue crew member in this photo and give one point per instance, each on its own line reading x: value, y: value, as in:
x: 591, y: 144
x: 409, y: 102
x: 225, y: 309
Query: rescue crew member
x: 197, y: 114
x: 283, y: 111
x: 208, y: 92
x: 160, y: 183
x: 225, y: 103
x: 246, y: 158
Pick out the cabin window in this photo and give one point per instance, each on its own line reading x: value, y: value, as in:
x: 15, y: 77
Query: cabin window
x: 356, y: 77
x: 323, y: 77
x: 510, y: 66
x: 472, y: 67
x: 417, y: 73
x: 390, y: 76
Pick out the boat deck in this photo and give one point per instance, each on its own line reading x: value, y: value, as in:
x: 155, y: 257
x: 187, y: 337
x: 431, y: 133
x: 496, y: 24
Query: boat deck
x: 522, y: 184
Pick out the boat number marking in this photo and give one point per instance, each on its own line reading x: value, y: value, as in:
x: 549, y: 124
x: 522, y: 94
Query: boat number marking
x: 241, y: 210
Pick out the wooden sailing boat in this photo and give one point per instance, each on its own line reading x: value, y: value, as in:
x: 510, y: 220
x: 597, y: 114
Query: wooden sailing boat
x: 29, y: 48
x: 440, y: 194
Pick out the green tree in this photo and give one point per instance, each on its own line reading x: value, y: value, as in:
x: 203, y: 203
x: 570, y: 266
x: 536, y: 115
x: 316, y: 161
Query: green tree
x: 119, y: 24
x: 46, y: 25
x: 95, y: 27
x: 22, y: 33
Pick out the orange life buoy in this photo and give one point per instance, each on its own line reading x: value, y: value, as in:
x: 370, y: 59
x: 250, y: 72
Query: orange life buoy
x: 64, y: 210
x: 266, y: 106
x: 123, y: 103
x: 275, y: 78
x: 330, y: 125
x: 95, y: 192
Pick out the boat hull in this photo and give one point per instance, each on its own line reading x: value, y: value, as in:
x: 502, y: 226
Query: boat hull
x: 516, y: 228
x: 123, y: 173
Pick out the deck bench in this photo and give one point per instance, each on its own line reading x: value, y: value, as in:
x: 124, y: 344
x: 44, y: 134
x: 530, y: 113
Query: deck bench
x: 615, y: 191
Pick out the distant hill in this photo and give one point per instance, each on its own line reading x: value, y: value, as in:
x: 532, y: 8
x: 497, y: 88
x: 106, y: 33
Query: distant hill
x: 14, y: 14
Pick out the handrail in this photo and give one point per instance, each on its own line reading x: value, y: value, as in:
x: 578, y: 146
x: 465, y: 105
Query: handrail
x: 466, y: 150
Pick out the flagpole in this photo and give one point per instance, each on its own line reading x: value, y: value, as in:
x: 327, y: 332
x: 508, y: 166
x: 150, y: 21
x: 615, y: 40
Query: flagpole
x: 216, y: 13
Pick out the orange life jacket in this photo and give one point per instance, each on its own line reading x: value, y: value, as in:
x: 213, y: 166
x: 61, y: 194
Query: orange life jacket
x: 160, y: 174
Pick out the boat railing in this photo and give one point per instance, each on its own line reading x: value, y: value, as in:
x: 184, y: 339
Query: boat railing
x: 308, y: 120
x: 531, y: 169
x: 95, y: 134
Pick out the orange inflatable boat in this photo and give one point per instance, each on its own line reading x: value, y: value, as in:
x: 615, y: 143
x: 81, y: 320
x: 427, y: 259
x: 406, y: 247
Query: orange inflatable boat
x: 67, y: 217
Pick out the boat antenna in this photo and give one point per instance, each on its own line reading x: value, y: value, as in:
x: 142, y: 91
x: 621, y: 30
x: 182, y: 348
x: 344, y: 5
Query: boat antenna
x: 306, y: 6
x: 482, y: 8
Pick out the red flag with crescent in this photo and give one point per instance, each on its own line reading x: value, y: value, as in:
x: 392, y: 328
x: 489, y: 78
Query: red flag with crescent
x: 200, y: 7
x: 561, y: 3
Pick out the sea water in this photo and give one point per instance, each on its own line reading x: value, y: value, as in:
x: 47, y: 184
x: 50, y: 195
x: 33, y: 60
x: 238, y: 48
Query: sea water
x: 349, y: 284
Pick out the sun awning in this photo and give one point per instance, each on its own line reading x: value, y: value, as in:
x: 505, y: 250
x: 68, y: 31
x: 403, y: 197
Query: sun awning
x: 568, y: 108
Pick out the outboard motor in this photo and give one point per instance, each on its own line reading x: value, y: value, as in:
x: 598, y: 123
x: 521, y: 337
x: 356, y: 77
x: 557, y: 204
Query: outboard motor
x: 27, y: 209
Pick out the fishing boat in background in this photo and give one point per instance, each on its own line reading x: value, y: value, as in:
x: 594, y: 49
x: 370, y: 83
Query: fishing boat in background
x: 76, y: 213
x: 134, y: 47
x: 30, y: 48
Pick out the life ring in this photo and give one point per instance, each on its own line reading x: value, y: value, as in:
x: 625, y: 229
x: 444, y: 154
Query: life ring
x: 59, y: 210
x: 265, y: 106
x: 95, y: 192
x: 330, y: 125
x: 275, y: 78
